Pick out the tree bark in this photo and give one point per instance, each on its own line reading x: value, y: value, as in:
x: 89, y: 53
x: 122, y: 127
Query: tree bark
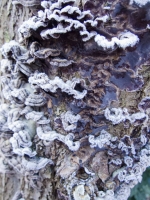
x: 94, y: 66
x: 11, y: 184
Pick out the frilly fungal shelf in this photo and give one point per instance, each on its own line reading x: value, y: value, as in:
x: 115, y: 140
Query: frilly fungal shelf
x: 74, y: 120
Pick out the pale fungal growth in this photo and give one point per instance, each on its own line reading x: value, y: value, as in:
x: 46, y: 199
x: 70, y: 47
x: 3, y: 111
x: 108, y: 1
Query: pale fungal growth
x: 125, y: 40
x: 108, y: 195
x: 4, y: 108
x: 138, y: 116
x: 80, y: 194
x: 100, y: 141
x: 32, y: 23
x: 18, y: 196
x: 122, y: 175
x: 6, y: 66
x: 13, y: 118
x: 41, y: 80
x: 144, y: 105
x: 36, y: 163
x: 139, y: 2
x: 22, y: 164
x: 51, y: 135
x: 35, y: 100
x: 46, y: 4
x: 101, y: 194
x: 44, y: 120
x: 143, y: 139
x: 23, y: 68
x: 104, y: 18
x: 7, y: 89
x: 144, y: 161
x: 58, y: 62
x: 118, y: 115
x: 13, y: 47
x: 71, y: 91
x: 128, y: 161
x: 21, y: 140
x: 123, y: 147
x: 69, y: 120
x: 116, y: 162
x: 45, y: 53
x: 66, y: 23
x: 34, y: 115
x: 27, y: 2
x: 20, y: 93
x: 17, y: 149
x: 123, y: 192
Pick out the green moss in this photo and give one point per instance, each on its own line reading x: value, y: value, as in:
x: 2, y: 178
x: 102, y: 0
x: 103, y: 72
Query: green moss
x: 142, y: 190
x: 7, y: 37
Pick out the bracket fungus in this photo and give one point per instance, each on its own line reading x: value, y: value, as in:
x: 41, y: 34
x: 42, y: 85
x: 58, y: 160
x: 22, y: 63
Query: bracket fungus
x: 74, y: 120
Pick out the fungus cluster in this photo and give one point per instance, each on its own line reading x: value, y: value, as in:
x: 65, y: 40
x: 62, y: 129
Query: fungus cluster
x: 65, y: 125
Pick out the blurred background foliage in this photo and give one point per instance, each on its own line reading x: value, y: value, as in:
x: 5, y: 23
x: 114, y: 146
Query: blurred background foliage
x: 142, y: 190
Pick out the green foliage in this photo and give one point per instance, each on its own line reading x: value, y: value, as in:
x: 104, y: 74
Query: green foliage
x: 142, y: 190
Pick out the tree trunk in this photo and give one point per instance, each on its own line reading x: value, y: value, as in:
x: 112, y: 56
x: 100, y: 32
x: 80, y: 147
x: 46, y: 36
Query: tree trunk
x: 12, y: 184
x: 91, y: 82
x: 11, y: 18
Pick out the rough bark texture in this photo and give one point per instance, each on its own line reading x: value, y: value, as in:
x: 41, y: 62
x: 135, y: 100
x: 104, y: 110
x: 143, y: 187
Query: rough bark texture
x: 11, y: 17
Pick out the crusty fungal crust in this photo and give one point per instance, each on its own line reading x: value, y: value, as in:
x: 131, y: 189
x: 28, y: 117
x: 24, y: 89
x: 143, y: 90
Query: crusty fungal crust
x: 75, y: 120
